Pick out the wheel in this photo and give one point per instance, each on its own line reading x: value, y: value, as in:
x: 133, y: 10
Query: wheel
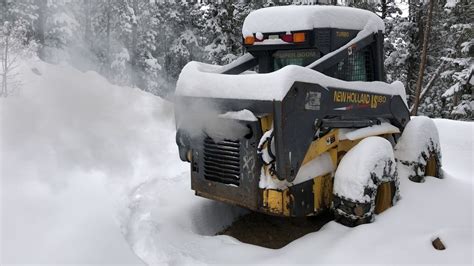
x: 365, y: 183
x: 418, y: 149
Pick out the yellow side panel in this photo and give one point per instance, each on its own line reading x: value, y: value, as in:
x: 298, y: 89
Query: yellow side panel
x: 334, y: 157
x: 321, y: 145
x: 346, y: 145
x: 277, y: 201
x: 383, y: 199
x: 266, y: 122
x: 322, y: 191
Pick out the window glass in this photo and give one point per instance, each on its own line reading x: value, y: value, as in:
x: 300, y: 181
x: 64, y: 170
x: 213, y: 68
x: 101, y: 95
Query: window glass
x: 283, y: 58
x: 355, y: 67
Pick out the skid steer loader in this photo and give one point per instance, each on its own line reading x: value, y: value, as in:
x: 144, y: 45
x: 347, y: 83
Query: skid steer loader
x: 302, y: 122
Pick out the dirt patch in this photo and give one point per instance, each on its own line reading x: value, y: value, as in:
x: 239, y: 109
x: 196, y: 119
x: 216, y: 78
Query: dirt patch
x: 273, y: 232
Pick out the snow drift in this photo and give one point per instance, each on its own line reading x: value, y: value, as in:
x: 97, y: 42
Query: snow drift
x: 72, y: 147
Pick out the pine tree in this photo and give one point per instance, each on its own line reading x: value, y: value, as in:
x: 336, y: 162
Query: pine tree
x: 421, y: 72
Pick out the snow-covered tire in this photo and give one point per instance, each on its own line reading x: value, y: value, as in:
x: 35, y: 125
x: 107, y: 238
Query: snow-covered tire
x: 418, y: 149
x: 361, y: 174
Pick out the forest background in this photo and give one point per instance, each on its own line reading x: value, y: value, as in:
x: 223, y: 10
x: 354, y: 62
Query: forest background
x: 145, y: 43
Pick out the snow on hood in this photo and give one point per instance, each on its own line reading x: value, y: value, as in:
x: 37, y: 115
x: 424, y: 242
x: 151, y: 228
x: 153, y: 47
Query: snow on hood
x: 204, y: 80
x: 292, y: 18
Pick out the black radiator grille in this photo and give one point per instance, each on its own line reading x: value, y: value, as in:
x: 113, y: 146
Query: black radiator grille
x: 222, y: 161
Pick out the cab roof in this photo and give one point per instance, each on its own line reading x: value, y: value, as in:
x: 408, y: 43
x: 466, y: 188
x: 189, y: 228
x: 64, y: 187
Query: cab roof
x: 298, y: 18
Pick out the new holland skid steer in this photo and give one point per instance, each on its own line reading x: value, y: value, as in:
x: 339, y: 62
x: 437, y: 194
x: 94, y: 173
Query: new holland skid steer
x: 303, y: 121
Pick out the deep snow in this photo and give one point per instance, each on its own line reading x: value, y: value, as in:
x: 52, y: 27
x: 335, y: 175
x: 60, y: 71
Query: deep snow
x: 90, y: 173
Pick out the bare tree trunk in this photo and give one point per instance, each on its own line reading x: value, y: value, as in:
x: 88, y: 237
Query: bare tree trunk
x: 414, y: 16
x: 133, y: 48
x: 5, y: 65
x: 107, y: 49
x: 4, y: 52
x: 419, y: 82
x: 88, y: 23
x: 383, y: 3
x: 43, y: 5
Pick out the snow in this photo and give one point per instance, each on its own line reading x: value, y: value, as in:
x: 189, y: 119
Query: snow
x: 268, y: 86
x: 457, y: 144
x: 244, y: 58
x: 383, y: 128
x: 451, y: 3
x: 417, y: 133
x: 90, y: 172
x: 297, y: 18
x: 318, y: 166
x: 264, y: 152
x: 153, y: 64
x: 271, y: 42
x: 275, y: 85
x: 354, y: 171
x: 244, y: 115
x: 72, y: 147
x: 179, y: 226
x: 453, y: 89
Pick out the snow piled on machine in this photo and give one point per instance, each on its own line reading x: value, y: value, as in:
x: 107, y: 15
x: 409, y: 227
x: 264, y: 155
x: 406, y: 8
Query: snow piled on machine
x: 275, y: 85
x: 320, y: 165
x: 359, y: 133
x: 355, y: 170
x: 297, y: 18
x: 416, y: 138
x: 204, y: 80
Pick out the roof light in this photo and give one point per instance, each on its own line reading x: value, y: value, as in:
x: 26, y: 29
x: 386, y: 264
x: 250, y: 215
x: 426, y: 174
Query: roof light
x: 299, y: 37
x: 287, y: 37
x: 249, y: 40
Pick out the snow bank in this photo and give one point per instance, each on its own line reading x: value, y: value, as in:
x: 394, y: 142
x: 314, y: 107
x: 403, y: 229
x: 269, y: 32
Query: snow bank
x: 201, y: 80
x: 457, y: 144
x: 72, y: 146
x: 354, y: 171
x: 297, y: 17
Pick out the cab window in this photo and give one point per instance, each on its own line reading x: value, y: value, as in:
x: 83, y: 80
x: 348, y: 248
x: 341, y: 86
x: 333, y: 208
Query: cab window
x: 282, y: 58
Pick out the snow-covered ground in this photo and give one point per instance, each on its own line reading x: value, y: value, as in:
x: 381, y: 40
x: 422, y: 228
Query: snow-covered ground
x: 90, y: 174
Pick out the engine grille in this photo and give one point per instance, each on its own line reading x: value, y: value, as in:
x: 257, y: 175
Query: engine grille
x: 222, y: 161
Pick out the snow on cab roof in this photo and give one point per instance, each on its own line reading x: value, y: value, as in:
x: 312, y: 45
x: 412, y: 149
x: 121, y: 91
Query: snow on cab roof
x: 293, y: 18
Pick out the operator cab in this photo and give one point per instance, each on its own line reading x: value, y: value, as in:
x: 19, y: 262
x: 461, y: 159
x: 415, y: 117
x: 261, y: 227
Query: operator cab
x: 327, y: 30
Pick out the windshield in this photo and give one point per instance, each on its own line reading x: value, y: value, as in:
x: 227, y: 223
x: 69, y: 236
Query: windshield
x: 283, y: 58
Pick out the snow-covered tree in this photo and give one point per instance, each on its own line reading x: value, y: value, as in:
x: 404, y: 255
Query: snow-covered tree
x: 13, y: 48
